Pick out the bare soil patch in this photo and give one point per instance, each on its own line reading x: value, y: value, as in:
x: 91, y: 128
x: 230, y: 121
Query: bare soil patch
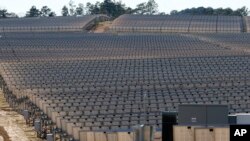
x: 4, y: 134
x: 102, y: 27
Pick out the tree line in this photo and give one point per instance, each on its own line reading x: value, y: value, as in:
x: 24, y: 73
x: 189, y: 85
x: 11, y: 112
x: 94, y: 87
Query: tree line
x: 5, y: 14
x: 109, y: 7
x: 210, y: 11
x: 114, y: 9
x: 33, y: 12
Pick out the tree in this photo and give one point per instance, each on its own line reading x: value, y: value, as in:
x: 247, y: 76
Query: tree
x: 242, y: 11
x: 52, y: 14
x: 162, y: 13
x: 108, y: 7
x: 93, y: 8
x: 174, y: 12
x: 72, y: 7
x: 45, y: 11
x: 80, y: 9
x: 141, y: 8
x: 228, y: 11
x: 65, y: 11
x: 151, y: 7
x: 33, y: 12
x: 210, y: 11
x: 129, y: 10
x: 219, y: 11
x: 120, y: 9
x: 3, y: 13
x: 112, y: 8
x: 12, y: 15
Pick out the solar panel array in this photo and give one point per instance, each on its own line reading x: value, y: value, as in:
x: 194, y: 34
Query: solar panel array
x: 237, y: 41
x: 230, y: 24
x: 178, y: 23
x: 247, y: 23
x: 49, y: 24
x: 107, y: 83
x: 54, y: 46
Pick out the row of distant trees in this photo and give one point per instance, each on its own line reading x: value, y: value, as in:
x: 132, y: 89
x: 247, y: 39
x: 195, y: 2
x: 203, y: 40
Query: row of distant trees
x: 210, y: 11
x: 110, y: 8
x: 5, y: 14
x: 33, y: 12
x: 114, y: 9
x: 44, y: 12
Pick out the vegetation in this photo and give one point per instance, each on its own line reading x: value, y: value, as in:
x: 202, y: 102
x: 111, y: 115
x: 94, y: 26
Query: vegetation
x: 73, y: 10
x: 80, y: 9
x: 108, y: 7
x: 114, y: 8
x: 210, y: 11
x: 33, y: 12
x: 5, y: 14
x: 44, y: 12
x: 65, y: 11
x: 147, y: 8
x: 111, y: 8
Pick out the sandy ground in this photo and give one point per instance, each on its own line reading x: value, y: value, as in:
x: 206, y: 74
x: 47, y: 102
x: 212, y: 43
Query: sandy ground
x: 12, y: 125
x: 102, y: 27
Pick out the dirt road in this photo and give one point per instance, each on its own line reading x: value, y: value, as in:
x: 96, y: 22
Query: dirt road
x: 12, y: 124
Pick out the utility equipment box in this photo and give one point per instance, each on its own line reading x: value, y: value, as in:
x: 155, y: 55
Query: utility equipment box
x: 203, y: 115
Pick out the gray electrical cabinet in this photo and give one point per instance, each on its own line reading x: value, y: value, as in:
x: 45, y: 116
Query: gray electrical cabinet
x: 217, y: 115
x: 26, y: 114
x: 50, y: 137
x: 37, y: 125
x: 192, y: 115
x: 203, y: 115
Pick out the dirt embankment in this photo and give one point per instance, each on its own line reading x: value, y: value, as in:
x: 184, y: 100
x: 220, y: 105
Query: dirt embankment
x: 102, y: 27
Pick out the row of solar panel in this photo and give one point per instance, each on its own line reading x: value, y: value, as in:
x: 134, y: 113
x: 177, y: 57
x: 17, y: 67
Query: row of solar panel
x: 181, y: 23
x: 82, y: 92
